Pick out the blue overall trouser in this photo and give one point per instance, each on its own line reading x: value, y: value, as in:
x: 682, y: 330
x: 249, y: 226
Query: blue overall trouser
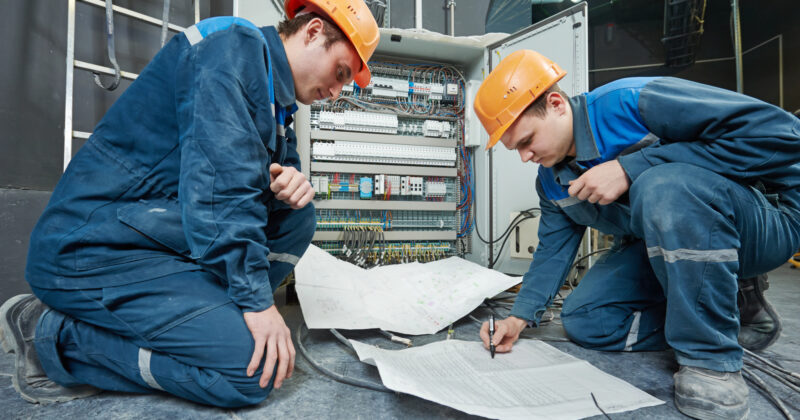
x: 179, y: 333
x: 676, y: 284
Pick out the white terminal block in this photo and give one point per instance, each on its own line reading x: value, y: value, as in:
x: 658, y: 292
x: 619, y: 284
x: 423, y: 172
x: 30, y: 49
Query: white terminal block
x: 415, y: 185
x: 315, y: 184
x: 437, y: 91
x: 393, y: 184
x: 403, y: 185
x: 388, y: 87
x: 420, y: 88
x: 433, y: 128
x: 371, y: 122
x: 348, y: 87
x: 435, y: 189
x: 323, y: 185
x: 397, y: 154
x: 380, y: 184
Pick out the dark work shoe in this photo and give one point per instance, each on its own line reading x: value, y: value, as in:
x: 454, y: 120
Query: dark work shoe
x: 710, y: 395
x: 760, y: 323
x: 18, y: 318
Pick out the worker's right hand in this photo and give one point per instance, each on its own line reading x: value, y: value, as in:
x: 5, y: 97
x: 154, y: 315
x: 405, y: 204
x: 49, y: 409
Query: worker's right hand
x: 270, y: 333
x: 506, y: 333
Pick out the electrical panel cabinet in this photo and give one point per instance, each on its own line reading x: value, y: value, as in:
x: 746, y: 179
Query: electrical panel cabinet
x: 398, y: 167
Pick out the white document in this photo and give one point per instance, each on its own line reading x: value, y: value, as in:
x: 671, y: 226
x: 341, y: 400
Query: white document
x: 410, y: 298
x: 533, y: 381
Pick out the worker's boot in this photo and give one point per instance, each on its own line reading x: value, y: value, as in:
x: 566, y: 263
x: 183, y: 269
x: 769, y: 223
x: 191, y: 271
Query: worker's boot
x: 710, y: 395
x: 760, y: 323
x: 18, y: 319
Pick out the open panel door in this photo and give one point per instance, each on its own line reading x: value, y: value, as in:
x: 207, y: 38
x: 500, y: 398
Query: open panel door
x: 562, y: 38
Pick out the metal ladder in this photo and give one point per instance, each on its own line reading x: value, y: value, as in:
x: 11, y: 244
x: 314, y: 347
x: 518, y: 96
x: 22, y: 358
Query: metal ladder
x: 72, y: 63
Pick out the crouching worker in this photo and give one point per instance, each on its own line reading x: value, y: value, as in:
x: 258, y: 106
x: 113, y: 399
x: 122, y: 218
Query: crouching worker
x: 700, y: 188
x: 154, y: 264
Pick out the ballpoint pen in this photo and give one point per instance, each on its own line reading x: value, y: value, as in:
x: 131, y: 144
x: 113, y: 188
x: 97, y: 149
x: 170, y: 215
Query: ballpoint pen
x: 491, y: 335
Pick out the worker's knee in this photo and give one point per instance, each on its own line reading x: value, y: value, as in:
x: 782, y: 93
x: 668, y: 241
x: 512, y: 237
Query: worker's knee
x: 662, y: 196
x: 235, y: 389
x: 597, y: 328
x: 306, y: 223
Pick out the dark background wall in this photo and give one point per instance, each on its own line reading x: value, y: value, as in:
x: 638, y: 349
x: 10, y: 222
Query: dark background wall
x: 32, y: 73
x: 470, y: 16
x: 32, y: 95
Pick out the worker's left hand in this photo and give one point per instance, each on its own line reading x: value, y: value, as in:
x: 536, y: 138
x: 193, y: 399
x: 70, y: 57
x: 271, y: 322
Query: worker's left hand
x: 290, y: 186
x: 601, y: 184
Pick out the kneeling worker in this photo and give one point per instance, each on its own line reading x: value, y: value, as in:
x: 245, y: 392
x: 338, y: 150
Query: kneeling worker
x: 700, y: 188
x: 164, y: 240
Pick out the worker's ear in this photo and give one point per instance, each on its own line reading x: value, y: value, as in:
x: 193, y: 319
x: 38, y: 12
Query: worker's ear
x: 313, y: 30
x: 557, y: 102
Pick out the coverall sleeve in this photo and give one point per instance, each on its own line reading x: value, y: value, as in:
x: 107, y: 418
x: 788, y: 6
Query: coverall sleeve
x: 731, y: 134
x: 292, y: 157
x: 559, y: 238
x: 226, y: 125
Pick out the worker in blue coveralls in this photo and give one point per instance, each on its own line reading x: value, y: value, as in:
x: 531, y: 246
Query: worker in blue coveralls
x: 164, y: 240
x: 700, y: 188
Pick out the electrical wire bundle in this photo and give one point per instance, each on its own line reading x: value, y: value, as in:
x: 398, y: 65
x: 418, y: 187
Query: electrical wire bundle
x: 530, y: 213
x: 789, y: 379
x: 358, y: 243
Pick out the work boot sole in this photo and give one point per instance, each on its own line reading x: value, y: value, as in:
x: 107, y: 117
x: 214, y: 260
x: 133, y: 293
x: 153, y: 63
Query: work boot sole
x: 690, y: 407
x: 12, y: 341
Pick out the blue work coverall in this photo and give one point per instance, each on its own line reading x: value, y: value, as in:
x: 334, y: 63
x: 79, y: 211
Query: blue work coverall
x: 714, y: 195
x: 163, y: 229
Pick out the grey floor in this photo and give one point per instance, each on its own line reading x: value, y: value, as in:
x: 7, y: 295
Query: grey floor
x: 310, y: 394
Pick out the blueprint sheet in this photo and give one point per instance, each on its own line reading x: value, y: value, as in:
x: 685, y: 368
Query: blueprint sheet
x: 533, y: 381
x: 411, y: 298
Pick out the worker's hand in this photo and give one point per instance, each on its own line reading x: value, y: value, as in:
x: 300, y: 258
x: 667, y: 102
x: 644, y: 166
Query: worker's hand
x: 506, y: 333
x: 290, y: 185
x: 601, y: 184
x: 270, y: 332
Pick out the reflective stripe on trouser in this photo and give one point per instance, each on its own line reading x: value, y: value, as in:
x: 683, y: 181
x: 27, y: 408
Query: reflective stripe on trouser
x: 179, y: 333
x: 618, y: 305
x: 701, y: 231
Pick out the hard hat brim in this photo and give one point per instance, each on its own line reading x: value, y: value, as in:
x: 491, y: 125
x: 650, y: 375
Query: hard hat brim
x: 495, y: 137
x: 363, y: 77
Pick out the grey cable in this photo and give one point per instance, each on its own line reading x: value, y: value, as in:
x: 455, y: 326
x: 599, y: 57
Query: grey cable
x: 333, y: 375
x: 165, y: 22
x: 764, y: 388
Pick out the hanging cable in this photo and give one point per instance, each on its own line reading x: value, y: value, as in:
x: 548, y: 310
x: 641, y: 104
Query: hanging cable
x: 112, y: 56
x: 165, y: 22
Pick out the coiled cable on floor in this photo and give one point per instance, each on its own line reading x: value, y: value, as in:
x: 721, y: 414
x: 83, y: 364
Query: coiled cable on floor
x: 300, y: 337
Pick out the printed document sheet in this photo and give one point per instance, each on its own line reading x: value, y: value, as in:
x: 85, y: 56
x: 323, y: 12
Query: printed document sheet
x: 411, y: 298
x: 533, y: 381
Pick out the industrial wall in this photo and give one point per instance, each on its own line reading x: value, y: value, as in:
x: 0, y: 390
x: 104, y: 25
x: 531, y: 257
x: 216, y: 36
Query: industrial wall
x: 32, y: 95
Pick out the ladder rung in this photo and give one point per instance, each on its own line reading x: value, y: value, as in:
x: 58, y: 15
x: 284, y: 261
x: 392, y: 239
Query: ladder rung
x: 80, y: 135
x: 135, y: 15
x: 103, y: 69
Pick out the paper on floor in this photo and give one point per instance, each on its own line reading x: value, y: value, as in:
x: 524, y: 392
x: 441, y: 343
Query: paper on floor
x: 410, y: 298
x: 533, y: 381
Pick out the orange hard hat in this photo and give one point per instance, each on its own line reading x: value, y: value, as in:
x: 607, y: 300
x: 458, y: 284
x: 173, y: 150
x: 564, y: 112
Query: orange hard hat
x: 511, y: 87
x: 354, y: 19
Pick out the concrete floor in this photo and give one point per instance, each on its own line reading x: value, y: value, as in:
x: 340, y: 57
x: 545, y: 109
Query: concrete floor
x: 309, y: 394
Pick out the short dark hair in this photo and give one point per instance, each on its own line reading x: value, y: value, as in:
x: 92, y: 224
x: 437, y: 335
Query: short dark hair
x: 330, y: 29
x: 539, y: 106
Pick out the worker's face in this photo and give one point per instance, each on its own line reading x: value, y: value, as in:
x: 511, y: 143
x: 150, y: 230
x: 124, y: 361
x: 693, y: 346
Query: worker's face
x: 320, y: 72
x: 545, y: 140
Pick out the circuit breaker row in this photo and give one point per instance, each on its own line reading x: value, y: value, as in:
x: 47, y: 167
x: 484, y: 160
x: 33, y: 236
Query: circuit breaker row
x: 375, y: 122
x: 381, y: 186
x: 398, y: 154
x: 388, y: 87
